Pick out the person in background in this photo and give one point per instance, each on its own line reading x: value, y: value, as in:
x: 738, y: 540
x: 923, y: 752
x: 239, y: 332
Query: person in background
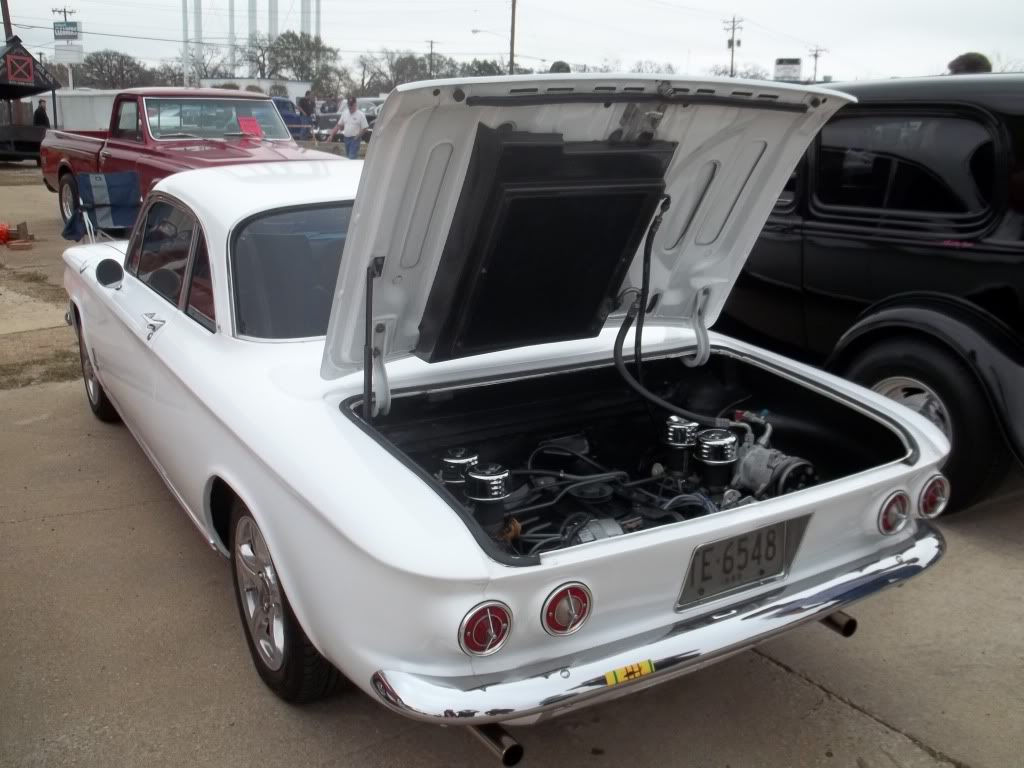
x: 970, y: 64
x: 307, y: 104
x: 39, y: 117
x: 352, y: 124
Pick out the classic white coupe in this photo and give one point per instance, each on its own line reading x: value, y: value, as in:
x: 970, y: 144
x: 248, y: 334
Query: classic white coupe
x: 410, y: 402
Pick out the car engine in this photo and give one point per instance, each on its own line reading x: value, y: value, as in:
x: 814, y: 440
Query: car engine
x: 562, y: 496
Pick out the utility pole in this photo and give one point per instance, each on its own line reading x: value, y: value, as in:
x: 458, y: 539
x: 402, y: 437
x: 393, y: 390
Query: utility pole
x: 8, y: 32
x: 732, y: 26
x: 512, y: 43
x: 186, y: 64
x: 65, y: 11
x: 816, y: 53
x: 430, y: 59
x: 231, y: 37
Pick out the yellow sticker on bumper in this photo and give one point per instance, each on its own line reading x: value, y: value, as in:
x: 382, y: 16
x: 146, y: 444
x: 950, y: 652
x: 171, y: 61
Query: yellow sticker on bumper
x: 632, y: 672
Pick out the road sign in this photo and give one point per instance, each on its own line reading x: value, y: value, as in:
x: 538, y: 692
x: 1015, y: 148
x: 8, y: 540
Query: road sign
x: 67, y: 30
x: 788, y: 70
x: 70, y: 53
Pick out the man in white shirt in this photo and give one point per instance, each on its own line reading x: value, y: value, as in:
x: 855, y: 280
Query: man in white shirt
x: 351, y: 123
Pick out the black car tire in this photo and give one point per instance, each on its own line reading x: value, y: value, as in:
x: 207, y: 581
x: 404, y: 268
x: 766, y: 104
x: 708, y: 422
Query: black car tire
x: 68, y: 182
x: 304, y: 675
x: 100, y: 404
x: 978, y: 457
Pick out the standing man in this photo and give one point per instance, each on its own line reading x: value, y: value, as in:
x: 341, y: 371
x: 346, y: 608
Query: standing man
x: 352, y: 123
x: 39, y: 117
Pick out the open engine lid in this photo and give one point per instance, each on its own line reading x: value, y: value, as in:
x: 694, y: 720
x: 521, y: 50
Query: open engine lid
x: 496, y: 213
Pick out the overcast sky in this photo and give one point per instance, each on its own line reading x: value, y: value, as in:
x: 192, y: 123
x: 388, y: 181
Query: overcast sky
x: 865, y: 38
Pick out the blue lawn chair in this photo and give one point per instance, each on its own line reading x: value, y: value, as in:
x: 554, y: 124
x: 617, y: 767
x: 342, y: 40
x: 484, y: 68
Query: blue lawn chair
x: 106, y: 201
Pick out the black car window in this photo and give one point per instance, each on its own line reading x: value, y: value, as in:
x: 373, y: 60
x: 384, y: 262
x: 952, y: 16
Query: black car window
x: 284, y: 265
x: 166, y: 243
x: 907, y: 165
x: 200, y: 292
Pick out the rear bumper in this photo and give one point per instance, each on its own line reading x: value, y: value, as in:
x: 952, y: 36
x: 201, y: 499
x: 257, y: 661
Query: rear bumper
x: 672, y: 652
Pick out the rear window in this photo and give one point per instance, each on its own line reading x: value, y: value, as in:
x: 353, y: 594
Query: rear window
x: 285, y: 265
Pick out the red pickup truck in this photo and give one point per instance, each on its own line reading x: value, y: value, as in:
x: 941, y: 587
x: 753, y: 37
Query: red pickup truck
x: 160, y: 131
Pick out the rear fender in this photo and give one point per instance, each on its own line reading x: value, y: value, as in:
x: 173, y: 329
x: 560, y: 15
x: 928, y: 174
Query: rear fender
x: 993, y: 352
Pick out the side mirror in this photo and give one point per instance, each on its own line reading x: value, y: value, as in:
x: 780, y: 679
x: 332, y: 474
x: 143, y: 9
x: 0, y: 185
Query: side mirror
x: 109, y: 274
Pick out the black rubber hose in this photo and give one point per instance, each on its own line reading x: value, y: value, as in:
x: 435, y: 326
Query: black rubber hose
x: 645, y: 285
x: 620, y: 365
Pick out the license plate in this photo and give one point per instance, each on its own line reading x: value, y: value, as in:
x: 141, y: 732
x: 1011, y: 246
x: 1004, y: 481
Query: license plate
x: 734, y: 563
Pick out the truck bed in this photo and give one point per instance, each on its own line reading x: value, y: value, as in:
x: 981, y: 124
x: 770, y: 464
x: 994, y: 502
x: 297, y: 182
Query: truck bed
x: 80, y: 148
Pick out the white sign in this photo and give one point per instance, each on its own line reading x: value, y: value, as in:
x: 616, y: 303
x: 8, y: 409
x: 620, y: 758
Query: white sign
x: 789, y: 70
x: 66, y: 30
x: 72, y: 53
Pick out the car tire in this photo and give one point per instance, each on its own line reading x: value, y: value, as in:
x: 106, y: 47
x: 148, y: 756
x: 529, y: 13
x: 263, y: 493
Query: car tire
x: 67, y: 196
x: 978, y: 457
x: 284, y: 657
x: 100, y: 404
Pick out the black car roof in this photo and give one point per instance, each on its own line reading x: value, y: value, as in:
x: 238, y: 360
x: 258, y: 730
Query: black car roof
x: 1001, y: 93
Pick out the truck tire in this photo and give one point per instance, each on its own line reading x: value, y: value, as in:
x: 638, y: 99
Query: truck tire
x: 67, y: 196
x: 929, y: 379
x: 284, y: 657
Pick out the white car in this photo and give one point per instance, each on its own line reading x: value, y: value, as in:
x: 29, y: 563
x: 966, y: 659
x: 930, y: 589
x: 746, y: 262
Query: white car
x: 407, y: 403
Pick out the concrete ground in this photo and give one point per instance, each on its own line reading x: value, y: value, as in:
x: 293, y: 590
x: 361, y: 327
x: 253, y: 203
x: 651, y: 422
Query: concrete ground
x: 120, y: 644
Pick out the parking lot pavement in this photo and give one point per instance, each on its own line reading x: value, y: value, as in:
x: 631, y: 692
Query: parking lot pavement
x: 120, y: 646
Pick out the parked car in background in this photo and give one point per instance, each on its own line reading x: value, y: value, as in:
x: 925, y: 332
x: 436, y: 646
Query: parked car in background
x: 443, y: 478
x: 160, y: 131
x: 299, y: 125
x: 895, y: 257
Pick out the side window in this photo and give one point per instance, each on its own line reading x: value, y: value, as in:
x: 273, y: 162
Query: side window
x: 128, y: 121
x: 166, y: 242
x: 935, y: 167
x: 200, y: 291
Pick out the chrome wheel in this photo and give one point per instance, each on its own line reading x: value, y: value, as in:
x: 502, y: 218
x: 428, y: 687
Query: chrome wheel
x: 92, y: 384
x: 260, y: 593
x: 67, y: 201
x: 917, y: 397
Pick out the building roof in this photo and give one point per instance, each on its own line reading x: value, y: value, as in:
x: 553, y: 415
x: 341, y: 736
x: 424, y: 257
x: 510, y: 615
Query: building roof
x: 20, y: 74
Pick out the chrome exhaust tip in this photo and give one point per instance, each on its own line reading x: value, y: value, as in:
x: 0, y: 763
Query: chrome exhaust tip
x: 841, y: 623
x: 499, y: 743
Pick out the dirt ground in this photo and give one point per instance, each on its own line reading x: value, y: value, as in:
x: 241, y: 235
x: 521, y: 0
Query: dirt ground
x: 120, y: 643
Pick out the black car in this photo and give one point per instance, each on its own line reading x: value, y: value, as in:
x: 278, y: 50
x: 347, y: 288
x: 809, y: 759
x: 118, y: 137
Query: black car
x: 895, y: 257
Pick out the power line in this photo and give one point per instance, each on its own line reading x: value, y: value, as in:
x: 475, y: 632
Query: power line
x: 816, y: 53
x: 732, y: 26
x: 65, y: 11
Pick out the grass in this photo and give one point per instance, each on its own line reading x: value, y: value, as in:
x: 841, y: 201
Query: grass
x: 59, y: 365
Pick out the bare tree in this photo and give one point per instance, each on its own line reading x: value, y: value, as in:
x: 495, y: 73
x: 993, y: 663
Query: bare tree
x: 653, y: 68
x: 1002, y: 63
x: 607, y: 65
x: 261, y: 56
x: 112, y: 69
x: 747, y: 71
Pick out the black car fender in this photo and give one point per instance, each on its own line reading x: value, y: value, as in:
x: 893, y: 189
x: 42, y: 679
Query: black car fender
x: 988, y: 346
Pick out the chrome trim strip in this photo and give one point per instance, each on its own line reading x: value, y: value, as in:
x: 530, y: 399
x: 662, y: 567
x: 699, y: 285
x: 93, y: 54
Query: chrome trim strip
x: 681, y: 647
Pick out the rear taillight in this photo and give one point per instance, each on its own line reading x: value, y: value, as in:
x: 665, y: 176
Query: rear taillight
x: 894, y: 514
x: 566, y: 609
x: 485, y: 629
x: 934, y: 497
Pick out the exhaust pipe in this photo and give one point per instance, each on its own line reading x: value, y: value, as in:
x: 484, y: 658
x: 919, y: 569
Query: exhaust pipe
x: 499, y: 742
x: 841, y: 623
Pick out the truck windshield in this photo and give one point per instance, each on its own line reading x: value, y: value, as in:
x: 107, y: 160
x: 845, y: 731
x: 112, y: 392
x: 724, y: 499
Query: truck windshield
x: 284, y: 265
x: 174, y: 118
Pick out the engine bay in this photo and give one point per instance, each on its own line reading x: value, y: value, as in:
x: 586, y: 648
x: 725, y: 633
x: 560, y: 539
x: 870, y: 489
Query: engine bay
x: 562, y: 460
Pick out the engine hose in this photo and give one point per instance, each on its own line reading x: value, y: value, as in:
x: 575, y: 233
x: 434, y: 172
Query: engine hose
x: 645, y: 284
x: 703, y: 343
x: 620, y: 365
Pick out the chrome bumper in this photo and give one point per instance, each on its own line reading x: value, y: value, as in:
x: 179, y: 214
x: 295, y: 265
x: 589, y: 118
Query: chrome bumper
x: 679, y: 649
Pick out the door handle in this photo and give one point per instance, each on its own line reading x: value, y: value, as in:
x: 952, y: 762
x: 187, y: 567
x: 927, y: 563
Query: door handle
x: 153, y: 323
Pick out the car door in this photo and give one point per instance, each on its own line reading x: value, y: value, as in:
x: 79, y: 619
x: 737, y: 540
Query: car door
x: 125, y: 140
x: 142, y: 307
x: 766, y: 303
x: 898, y: 196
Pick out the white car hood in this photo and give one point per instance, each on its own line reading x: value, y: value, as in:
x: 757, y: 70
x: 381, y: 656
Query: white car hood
x: 722, y: 149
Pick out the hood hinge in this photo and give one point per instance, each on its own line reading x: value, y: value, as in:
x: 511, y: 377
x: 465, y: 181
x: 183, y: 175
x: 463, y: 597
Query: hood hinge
x: 372, y: 354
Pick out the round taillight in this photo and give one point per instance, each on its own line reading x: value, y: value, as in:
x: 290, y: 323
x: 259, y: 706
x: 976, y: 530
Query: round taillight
x: 485, y: 629
x: 934, y: 497
x: 895, y: 513
x: 567, y: 609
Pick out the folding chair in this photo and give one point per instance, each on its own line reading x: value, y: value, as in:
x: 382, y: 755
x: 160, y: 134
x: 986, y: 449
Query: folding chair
x: 106, y: 201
